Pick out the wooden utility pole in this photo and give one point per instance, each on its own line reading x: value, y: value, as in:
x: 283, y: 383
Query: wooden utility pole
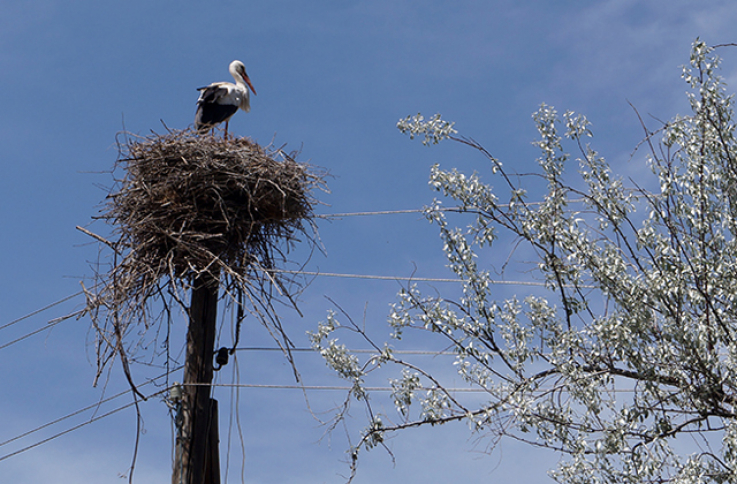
x: 196, y: 457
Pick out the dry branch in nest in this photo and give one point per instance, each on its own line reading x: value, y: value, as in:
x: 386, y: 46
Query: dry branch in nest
x: 190, y: 205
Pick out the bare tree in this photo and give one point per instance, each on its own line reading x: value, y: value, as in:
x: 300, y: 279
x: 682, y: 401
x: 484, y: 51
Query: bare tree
x: 626, y: 362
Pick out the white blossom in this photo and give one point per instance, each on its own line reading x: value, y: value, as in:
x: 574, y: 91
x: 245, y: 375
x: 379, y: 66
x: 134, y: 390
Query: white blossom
x: 630, y: 349
x: 434, y: 129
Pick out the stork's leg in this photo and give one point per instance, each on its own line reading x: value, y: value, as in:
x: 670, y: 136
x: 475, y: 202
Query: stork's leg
x: 226, y: 129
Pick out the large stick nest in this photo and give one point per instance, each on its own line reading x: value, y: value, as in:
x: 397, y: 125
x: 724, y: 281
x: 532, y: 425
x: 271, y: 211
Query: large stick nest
x: 190, y: 205
x: 189, y: 202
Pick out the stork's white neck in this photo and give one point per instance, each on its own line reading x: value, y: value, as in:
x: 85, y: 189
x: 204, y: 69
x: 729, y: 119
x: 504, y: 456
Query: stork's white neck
x: 239, y: 80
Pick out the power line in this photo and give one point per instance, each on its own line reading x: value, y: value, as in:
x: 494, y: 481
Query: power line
x: 28, y: 335
x: 267, y: 386
x: 82, y: 410
x: 407, y: 278
x: 31, y: 314
x: 49, y: 325
x: 359, y: 351
x: 261, y: 386
x: 419, y: 210
x: 306, y: 273
x: 634, y: 193
x: 76, y: 427
x: 53, y: 323
x: 339, y: 388
x: 61, y: 419
x: 309, y: 273
x: 343, y: 275
x: 243, y: 385
x: 382, y: 212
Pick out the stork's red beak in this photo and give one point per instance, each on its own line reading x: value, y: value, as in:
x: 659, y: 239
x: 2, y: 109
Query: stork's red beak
x: 248, y: 81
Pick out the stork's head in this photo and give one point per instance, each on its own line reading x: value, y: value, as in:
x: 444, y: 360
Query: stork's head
x: 238, y: 71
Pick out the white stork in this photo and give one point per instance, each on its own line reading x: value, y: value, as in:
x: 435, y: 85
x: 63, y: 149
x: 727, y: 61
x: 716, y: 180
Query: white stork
x: 219, y: 101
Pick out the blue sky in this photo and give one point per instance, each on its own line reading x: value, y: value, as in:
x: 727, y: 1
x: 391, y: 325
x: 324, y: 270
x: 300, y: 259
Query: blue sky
x: 333, y: 78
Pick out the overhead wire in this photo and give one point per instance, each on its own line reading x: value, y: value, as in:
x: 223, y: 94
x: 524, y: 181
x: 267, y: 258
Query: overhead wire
x: 28, y: 335
x: 330, y: 387
x: 38, y: 311
x: 65, y: 417
x: 76, y: 427
x: 268, y: 386
x: 298, y: 272
x: 56, y: 321
x: 227, y: 385
x: 634, y: 193
x: 358, y: 351
x: 316, y: 273
x: 406, y: 278
x: 80, y: 411
x: 420, y: 210
x: 361, y: 214
x: 50, y: 324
